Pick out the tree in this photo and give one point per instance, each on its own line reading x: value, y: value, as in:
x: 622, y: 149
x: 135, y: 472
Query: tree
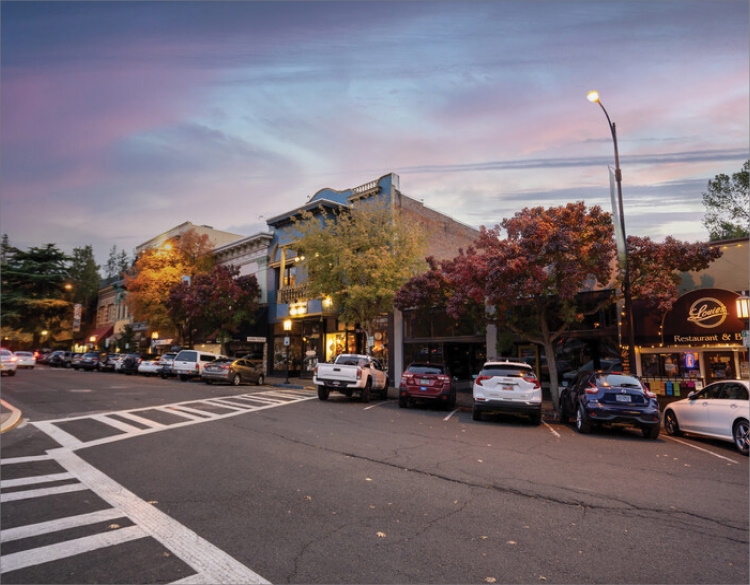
x: 217, y: 300
x: 158, y: 270
x: 728, y: 206
x: 33, y: 289
x: 359, y: 257
x: 529, y: 281
x: 117, y: 263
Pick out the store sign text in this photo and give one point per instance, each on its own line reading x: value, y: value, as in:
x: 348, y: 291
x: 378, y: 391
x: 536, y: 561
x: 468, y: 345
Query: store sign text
x: 708, y: 313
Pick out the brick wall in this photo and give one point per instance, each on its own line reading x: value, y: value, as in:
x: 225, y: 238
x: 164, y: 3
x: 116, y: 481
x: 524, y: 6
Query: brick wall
x: 444, y: 235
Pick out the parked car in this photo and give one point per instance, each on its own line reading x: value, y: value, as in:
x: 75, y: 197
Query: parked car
x: 42, y: 355
x: 60, y: 359
x: 351, y: 373
x: 8, y: 362
x: 149, y: 364
x: 108, y: 361
x: 234, y: 371
x: 719, y: 411
x: 165, y: 364
x: 89, y: 361
x: 610, y: 398
x: 75, y: 361
x: 507, y: 388
x: 130, y: 363
x: 427, y: 381
x: 24, y: 359
x: 189, y: 363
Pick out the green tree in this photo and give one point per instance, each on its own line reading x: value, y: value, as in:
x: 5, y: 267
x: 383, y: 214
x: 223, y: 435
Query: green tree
x: 117, y: 262
x: 85, y: 282
x: 359, y: 257
x: 33, y: 289
x: 728, y: 206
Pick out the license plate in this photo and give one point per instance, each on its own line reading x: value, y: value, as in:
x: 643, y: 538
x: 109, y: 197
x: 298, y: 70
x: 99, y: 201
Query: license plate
x: 622, y: 398
x: 508, y: 387
x: 424, y: 383
x: 422, y: 389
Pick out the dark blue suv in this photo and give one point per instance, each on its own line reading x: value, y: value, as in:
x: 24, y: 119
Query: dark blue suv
x: 610, y: 398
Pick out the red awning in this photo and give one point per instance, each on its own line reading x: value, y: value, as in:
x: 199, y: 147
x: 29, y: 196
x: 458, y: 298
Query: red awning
x: 101, y: 332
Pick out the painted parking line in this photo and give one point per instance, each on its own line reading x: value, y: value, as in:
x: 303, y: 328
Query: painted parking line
x: 733, y: 461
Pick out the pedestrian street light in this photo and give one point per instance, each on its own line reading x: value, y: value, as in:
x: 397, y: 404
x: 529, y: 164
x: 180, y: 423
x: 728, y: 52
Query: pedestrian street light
x: 287, y: 328
x: 593, y: 97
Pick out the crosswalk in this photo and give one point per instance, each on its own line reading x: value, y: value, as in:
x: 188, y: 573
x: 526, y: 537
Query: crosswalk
x: 78, y: 510
x: 97, y: 429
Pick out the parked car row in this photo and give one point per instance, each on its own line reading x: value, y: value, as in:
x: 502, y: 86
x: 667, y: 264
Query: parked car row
x: 186, y: 364
x: 595, y: 398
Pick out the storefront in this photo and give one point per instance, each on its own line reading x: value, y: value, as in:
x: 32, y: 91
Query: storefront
x: 696, y: 343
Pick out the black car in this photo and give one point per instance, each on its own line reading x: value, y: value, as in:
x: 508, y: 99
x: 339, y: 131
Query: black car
x: 90, y: 361
x: 130, y: 363
x: 610, y: 398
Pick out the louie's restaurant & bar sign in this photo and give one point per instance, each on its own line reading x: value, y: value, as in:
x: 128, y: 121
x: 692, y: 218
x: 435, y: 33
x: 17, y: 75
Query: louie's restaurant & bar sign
x: 698, y: 342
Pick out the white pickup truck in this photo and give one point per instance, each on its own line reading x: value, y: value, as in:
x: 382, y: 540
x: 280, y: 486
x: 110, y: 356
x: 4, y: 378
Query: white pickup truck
x: 351, y: 373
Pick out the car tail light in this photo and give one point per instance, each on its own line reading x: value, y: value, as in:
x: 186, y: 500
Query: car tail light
x: 592, y: 389
x: 407, y: 378
x: 315, y: 371
x: 359, y: 373
x: 649, y: 393
x: 226, y: 367
x: 481, y: 378
x: 532, y: 380
x: 198, y: 367
x: 14, y: 358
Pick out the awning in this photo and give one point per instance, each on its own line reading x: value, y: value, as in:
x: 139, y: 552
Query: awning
x: 101, y: 332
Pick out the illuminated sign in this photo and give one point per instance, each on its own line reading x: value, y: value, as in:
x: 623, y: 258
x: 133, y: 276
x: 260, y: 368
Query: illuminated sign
x: 707, y: 312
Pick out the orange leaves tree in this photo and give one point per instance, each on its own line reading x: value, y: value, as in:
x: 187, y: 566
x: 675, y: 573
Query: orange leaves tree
x: 157, y: 270
x: 525, y: 274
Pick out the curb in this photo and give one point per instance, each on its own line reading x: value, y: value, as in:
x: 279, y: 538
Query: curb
x: 10, y: 420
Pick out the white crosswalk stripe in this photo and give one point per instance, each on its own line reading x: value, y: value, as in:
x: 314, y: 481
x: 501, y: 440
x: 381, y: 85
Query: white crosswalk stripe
x: 140, y: 519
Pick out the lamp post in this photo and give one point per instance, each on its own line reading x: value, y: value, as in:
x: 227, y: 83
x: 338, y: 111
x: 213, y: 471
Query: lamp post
x: 593, y: 96
x: 287, y: 341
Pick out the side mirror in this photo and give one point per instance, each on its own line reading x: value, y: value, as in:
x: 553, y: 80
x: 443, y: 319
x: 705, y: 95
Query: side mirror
x: 692, y: 395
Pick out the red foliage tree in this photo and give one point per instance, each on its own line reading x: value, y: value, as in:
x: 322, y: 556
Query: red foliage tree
x: 529, y: 281
x: 219, y: 299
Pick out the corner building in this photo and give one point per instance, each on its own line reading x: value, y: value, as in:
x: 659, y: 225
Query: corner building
x: 314, y: 332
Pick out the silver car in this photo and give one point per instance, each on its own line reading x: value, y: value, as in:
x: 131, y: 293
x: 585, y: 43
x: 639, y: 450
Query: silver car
x: 234, y: 371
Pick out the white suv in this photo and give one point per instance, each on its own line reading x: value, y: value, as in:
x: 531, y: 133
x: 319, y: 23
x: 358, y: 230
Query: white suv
x: 508, y: 387
x: 189, y: 363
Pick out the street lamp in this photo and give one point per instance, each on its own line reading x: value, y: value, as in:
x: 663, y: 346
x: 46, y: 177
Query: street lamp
x: 593, y: 96
x: 287, y: 341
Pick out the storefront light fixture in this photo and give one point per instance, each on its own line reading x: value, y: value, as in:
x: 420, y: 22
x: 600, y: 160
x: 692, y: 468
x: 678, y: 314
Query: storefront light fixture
x: 287, y: 324
x: 297, y: 309
x: 743, y: 306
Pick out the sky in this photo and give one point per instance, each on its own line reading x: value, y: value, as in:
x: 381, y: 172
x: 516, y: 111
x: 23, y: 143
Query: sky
x: 120, y: 120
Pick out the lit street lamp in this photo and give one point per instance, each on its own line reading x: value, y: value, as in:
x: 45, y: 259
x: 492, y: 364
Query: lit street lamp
x: 593, y: 96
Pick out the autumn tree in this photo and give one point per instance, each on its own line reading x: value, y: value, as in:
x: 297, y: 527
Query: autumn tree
x: 727, y: 205
x: 157, y: 270
x: 34, y: 297
x: 217, y: 300
x: 527, y: 273
x: 359, y: 257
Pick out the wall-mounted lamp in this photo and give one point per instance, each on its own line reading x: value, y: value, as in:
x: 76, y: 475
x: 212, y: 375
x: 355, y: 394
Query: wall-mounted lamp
x: 743, y: 306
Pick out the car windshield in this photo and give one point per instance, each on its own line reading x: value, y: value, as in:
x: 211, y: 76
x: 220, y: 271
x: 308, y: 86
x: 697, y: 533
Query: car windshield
x: 617, y: 380
x: 425, y: 369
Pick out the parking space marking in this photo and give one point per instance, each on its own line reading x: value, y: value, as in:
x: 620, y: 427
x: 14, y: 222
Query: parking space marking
x: 551, y: 430
x: 454, y: 411
x: 734, y: 462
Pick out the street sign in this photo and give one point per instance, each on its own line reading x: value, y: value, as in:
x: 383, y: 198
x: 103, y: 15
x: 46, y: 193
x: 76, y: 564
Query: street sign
x: 746, y: 337
x: 286, y: 341
x: 256, y: 340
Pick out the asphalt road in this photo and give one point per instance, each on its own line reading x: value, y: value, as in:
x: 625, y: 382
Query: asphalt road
x: 116, y: 479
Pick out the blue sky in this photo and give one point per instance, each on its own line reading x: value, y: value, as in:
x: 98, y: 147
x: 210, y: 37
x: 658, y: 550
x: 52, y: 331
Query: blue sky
x: 121, y: 120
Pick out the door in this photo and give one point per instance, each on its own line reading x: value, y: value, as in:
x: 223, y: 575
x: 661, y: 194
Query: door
x: 719, y: 365
x: 695, y: 417
x: 724, y: 409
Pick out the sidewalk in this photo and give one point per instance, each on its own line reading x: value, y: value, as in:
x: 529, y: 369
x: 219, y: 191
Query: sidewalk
x: 10, y: 416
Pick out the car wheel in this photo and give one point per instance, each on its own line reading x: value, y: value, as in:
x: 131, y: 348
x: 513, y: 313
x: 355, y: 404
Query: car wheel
x: 184, y: 377
x: 741, y: 435
x: 365, y: 393
x: 671, y: 424
x: 260, y: 380
x: 322, y: 393
x: 582, y: 425
x: 209, y: 382
x: 476, y: 414
x: 403, y: 402
x: 650, y: 432
x: 451, y: 403
x: 536, y: 418
x: 236, y: 380
x: 11, y: 372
